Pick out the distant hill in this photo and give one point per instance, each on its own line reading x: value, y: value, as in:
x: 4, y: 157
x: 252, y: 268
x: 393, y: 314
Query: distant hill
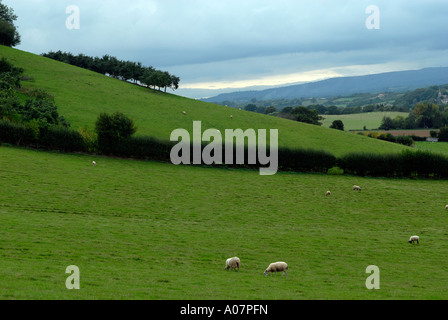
x: 81, y: 95
x: 399, y: 81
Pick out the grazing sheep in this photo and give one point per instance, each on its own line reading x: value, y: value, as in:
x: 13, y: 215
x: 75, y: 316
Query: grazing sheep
x: 356, y: 188
x: 184, y: 113
x: 231, y: 117
x: 413, y: 239
x: 446, y: 207
x: 94, y: 163
x: 277, y: 266
x: 233, y: 263
x: 328, y: 193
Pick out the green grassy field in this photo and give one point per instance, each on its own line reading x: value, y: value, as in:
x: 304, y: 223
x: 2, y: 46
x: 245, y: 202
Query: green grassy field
x: 81, y: 95
x: 147, y: 230
x: 372, y: 120
x: 436, y: 147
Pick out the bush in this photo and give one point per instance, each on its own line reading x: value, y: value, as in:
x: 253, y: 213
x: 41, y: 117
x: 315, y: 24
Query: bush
x: 112, y: 130
x: 62, y: 139
x: 17, y: 134
x: 405, y: 140
x: 145, y: 148
x: 443, y: 134
x: 34, y: 134
x: 89, y: 137
x: 409, y: 163
x: 338, y: 125
x: 306, y: 160
x: 335, y: 171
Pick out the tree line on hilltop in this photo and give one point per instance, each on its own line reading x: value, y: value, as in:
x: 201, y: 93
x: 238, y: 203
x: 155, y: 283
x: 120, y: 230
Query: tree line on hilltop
x: 119, y: 69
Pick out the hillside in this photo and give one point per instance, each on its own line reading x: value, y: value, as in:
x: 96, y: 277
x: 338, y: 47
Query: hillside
x: 398, y: 81
x: 82, y: 95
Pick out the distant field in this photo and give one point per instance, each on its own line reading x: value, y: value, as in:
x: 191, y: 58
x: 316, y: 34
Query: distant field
x: 371, y: 120
x: 82, y: 95
x: 438, y: 147
x: 147, y: 230
x: 417, y: 132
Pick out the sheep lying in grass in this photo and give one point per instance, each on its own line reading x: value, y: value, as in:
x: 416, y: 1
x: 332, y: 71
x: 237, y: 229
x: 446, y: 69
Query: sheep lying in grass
x: 356, y: 188
x: 233, y: 263
x: 275, y: 267
x: 412, y: 239
x: 328, y: 193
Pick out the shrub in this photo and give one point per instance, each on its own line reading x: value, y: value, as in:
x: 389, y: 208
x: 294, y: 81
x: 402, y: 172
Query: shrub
x: 405, y: 140
x: 337, y: 124
x: 335, y: 171
x: 62, y: 139
x: 17, y: 134
x: 409, y: 163
x: 113, y: 130
x: 89, y: 137
x: 443, y: 134
x: 146, y: 148
x: 307, y: 160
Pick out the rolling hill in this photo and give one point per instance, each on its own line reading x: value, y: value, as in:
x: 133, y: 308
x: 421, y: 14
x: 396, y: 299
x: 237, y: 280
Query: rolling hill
x: 81, y: 95
x: 398, y: 81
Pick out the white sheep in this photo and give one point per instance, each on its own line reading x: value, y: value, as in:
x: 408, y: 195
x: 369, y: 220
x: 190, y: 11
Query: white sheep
x: 231, y: 117
x: 412, y: 239
x: 233, y: 263
x: 94, y: 163
x: 356, y: 188
x: 328, y: 193
x: 275, y: 267
x: 446, y: 207
x: 184, y: 113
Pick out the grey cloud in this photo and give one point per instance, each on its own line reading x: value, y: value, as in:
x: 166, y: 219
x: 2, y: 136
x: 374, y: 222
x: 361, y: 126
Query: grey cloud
x: 212, y: 40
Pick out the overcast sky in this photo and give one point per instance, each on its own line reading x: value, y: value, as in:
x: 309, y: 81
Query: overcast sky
x: 215, y: 44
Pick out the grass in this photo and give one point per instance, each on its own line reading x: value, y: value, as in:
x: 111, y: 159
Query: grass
x: 436, y: 147
x: 81, y: 95
x: 147, y: 230
x: 372, y: 120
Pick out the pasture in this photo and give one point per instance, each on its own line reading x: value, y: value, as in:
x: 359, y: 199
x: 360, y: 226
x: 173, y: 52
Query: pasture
x: 435, y: 147
x: 357, y: 121
x: 148, y: 230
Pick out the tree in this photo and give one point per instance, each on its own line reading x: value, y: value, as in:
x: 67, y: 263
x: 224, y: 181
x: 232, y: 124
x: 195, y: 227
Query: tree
x: 270, y: 110
x: 427, y: 115
x: 305, y: 115
x: 338, y: 125
x: 113, y: 129
x: 174, y: 82
x: 443, y: 134
x: 387, y: 124
x: 9, y: 36
x: 149, y: 77
x: 251, y: 107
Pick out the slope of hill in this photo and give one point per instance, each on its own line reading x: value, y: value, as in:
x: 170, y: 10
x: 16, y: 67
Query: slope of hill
x: 82, y: 95
x: 398, y: 81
